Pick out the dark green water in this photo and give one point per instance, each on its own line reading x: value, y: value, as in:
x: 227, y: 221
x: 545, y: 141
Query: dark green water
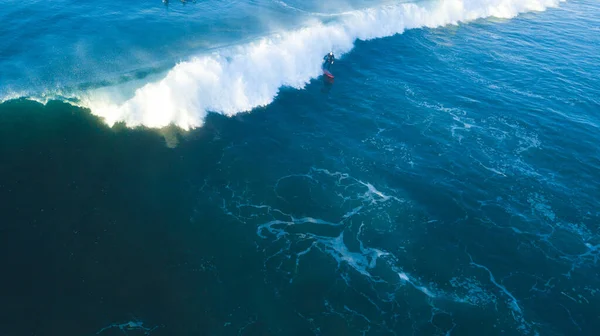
x: 449, y: 188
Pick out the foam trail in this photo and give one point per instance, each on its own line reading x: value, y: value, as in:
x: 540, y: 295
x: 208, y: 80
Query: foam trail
x: 249, y: 76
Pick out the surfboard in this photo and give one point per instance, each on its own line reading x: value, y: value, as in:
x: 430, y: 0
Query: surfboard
x: 327, y: 73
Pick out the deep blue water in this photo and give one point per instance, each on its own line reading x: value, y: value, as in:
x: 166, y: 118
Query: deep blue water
x: 184, y: 169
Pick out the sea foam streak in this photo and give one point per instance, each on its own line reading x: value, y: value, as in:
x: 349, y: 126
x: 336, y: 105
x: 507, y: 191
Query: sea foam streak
x: 249, y: 76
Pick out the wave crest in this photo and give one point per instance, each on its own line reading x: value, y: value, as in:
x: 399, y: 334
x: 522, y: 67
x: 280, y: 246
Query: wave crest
x: 248, y: 76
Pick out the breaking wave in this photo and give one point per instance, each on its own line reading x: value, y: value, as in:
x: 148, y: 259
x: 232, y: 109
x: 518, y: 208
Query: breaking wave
x: 244, y: 77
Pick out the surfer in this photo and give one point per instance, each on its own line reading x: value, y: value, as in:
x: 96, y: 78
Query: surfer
x: 328, y: 60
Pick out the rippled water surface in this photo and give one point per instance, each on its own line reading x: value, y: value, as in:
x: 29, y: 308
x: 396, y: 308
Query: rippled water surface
x: 177, y: 169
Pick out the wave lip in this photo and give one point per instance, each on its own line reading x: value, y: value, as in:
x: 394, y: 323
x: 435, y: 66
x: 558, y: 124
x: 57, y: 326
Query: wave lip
x: 248, y: 76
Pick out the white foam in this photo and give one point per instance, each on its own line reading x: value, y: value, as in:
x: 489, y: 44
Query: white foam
x: 249, y: 76
x: 404, y: 277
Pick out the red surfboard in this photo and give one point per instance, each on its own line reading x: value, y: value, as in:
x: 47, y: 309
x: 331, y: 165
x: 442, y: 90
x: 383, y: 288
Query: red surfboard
x: 327, y: 73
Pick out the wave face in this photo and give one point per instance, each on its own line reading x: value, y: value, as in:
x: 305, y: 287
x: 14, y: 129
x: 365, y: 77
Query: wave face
x: 241, y: 78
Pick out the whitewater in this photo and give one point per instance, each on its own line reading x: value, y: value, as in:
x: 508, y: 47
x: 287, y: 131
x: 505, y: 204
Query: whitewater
x: 243, y: 77
x: 445, y: 183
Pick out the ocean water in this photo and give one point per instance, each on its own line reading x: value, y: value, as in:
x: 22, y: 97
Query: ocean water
x: 185, y: 169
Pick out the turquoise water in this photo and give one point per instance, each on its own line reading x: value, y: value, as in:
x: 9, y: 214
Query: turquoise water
x: 178, y: 169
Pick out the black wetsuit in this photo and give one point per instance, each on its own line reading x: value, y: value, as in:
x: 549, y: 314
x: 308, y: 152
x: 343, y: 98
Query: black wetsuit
x: 329, y: 58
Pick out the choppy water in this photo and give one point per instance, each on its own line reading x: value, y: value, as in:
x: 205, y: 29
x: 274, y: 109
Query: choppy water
x: 445, y: 183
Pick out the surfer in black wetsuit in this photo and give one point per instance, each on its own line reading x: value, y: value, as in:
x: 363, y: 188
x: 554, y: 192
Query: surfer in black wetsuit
x: 328, y: 60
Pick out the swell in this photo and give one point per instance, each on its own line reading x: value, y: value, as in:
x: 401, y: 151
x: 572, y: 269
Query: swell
x: 243, y: 77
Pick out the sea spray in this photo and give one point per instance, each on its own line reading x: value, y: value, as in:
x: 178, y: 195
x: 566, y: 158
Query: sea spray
x: 248, y: 76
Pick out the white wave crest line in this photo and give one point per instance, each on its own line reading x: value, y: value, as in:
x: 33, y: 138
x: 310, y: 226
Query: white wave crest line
x: 249, y: 76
